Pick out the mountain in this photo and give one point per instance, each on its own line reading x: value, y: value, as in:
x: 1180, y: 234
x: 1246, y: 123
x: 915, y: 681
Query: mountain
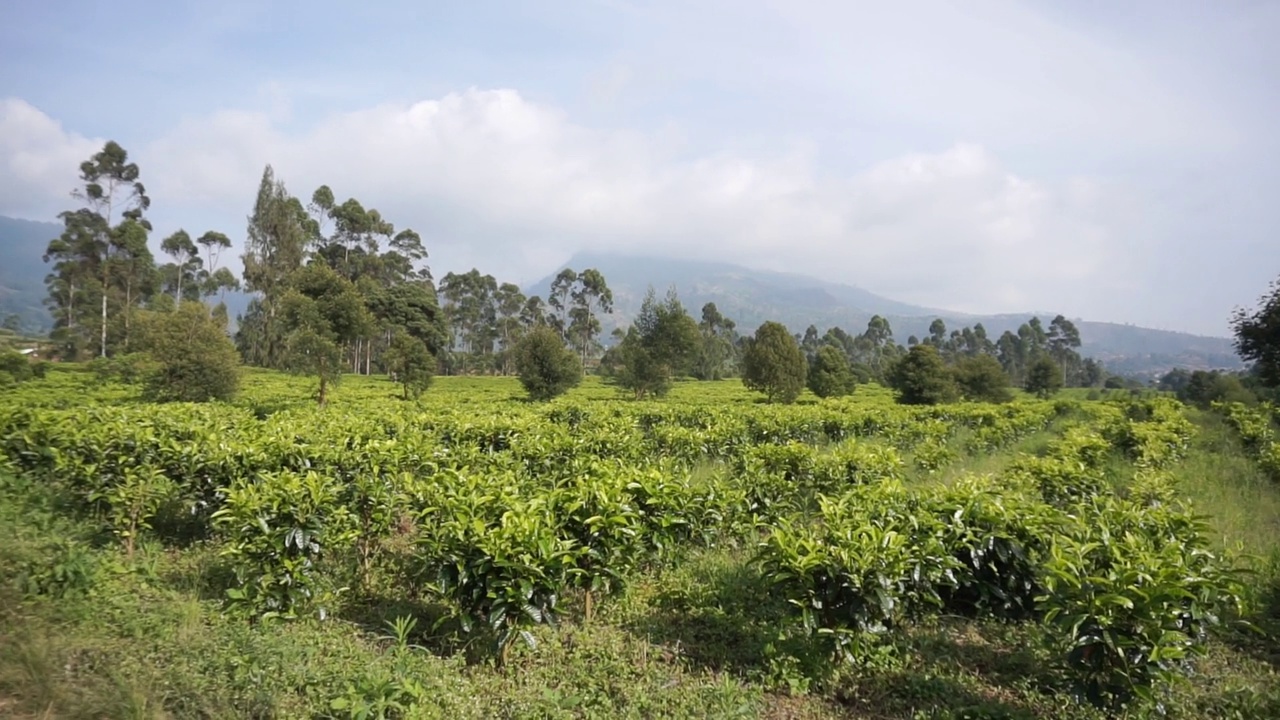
x: 22, y: 270
x: 750, y: 297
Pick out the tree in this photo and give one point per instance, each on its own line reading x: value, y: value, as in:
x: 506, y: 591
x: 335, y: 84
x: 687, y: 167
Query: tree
x: 558, y: 299
x: 659, y: 344
x: 1063, y: 339
x: 196, y: 361
x: 1044, y: 377
x: 1174, y: 381
x: 545, y: 366
x: 590, y: 295
x: 509, y: 301
x: 981, y: 379
x: 774, y: 364
x: 1257, y: 335
x: 322, y: 312
x: 215, y: 280
x: 921, y: 378
x: 876, y: 342
x: 1092, y: 373
x: 274, y: 250
x: 101, y: 258
x: 410, y: 364
x: 830, y: 374
x: 937, y: 333
x: 471, y: 308
x: 809, y: 343
x: 186, y: 262
x: 533, y: 313
x: 715, y: 351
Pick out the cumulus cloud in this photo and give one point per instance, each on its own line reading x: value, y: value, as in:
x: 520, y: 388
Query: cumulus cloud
x: 514, y: 187
x: 39, y: 161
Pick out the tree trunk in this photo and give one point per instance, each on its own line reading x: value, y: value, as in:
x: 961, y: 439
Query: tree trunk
x: 128, y: 310
x: 71, y: 304
x: 103, y: 337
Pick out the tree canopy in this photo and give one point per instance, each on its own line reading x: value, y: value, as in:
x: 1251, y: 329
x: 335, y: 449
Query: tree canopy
x: 922, y: 378
x: 773, y: 364
x: 660, y: 344
x: 1257, y: 335
x: 546, y: 367
x: 830, y: 374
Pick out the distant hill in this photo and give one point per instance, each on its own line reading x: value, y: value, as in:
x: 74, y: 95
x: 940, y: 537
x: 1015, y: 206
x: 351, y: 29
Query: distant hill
x: 22, y: 269
x: 750, y: 297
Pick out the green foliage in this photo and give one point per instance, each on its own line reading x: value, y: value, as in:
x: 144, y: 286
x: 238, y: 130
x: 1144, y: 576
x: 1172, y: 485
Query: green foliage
x: 1130, y: 592
x: 1044, y: 378
x: 982, y: 379
x: 774, y: 365
x: 196, y: 361
x: 869, y: 563
x: 1206, y: 388
x: 830, y: 374
x: 660, y: 344
x: 16, y: 366
x: 480, y: 515
x: 133, y: 500
x: 1257, y: 335
x: 410, y: 363
x: 279, y: 526
x: 101, y: 269
x: 546, y: 368
x: 921, y: 378
x: 502, y: 565
x: 130, y: 368
x: 715, y: 356
x: 998, y: 540
x: 64, y: 568
x: 323, y: 312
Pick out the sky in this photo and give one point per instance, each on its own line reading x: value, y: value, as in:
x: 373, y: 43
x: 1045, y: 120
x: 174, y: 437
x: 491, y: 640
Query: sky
x: 1110, y: 161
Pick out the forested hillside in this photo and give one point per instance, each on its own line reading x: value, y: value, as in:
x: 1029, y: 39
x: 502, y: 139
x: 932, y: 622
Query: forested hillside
x: 22, y: 270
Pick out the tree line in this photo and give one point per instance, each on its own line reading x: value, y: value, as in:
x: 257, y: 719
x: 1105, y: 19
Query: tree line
x: 338, y: 288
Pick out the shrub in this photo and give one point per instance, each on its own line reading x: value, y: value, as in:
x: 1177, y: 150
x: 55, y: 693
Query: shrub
x: 1044, y: 378
x: 16, y: 366
x: 1131, y: 591
x: 196, y: 361
x: 411, y: 363
x: 921, y: 378
x: 129, y: 368
x: 830, y: 374
x: 981, y: 378
x: 546, y: 367
x: 871, y: 562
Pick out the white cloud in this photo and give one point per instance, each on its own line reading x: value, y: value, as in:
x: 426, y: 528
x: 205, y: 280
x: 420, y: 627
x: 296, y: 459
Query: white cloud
x: 39, y: 161
x: 492, y: 179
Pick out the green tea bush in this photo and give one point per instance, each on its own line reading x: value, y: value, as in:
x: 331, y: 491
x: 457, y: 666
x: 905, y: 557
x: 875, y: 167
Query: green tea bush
x: 279, y: 526
x: 1129, y: 593
x: 867, y: 562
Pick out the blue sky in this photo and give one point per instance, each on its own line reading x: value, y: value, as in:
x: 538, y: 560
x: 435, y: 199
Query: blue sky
x: 1113, y: 161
